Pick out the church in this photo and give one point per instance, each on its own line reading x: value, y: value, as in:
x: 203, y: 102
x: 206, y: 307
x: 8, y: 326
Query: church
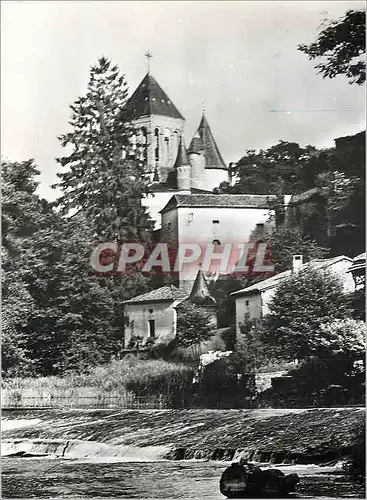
x: 182, y: 179
x: 171, y: 167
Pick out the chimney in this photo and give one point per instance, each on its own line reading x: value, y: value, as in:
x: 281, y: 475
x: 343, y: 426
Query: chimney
x: 297, y: 263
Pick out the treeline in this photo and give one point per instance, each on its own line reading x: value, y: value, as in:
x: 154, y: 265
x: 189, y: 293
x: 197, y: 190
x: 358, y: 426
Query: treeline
x: 333, y: 214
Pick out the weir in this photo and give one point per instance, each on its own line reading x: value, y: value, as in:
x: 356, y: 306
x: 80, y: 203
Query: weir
x: 272, y: 436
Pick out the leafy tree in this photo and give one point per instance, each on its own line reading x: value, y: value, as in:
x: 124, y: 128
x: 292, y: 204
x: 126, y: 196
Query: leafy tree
x: 285, y: 242
x: 57, y: 315
x: 285, y: 168
x: 221, y: 290
x: 193, y: 326
x: 105, y: 181
x: 343, y: 338
x: 341, y: 45
x: 301, y: 304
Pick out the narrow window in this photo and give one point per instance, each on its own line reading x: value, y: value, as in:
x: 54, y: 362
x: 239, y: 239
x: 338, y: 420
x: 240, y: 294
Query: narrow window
x: 156, y: 135
x: 247, y: 302
x: 151, y: 328
x: 215, y: 221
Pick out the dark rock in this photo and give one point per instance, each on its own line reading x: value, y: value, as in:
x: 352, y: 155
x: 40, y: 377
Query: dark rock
x: 243, y: 480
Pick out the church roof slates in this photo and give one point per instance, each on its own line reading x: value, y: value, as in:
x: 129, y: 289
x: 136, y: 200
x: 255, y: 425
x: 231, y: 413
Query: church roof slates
x: 150, y: 99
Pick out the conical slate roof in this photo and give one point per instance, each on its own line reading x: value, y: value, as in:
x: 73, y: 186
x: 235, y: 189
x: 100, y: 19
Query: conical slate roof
x: 150, y: 99
x: 182, y: 159
x: 204, y: 142
x: 200, y: 292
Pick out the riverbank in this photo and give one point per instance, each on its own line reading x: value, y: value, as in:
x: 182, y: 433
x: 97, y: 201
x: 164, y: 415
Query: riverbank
x: 301, y: 436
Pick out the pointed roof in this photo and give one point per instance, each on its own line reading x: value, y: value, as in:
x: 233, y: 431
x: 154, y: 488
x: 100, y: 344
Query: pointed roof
x: 200, y: 292
x: 204, y: 142
x: 150, y: 99
x: 182, y: 159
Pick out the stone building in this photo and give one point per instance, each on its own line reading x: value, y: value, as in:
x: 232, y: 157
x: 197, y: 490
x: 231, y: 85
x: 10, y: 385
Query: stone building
x: 152, y: 316
x: 253, y: 302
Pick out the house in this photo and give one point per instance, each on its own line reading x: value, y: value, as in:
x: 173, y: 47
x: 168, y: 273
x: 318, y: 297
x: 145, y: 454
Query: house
x: 253, y: 301
x: 152, y: 316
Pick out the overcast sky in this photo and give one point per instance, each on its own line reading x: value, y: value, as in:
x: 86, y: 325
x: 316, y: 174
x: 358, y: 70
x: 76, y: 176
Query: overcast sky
x: 240, y: 58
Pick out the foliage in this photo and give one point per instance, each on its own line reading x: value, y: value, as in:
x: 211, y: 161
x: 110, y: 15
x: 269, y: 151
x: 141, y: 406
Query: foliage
x: 224, y: 384
x: 221, y: 291
x: 285, y: 168
x: 341, y: 45
x: 301, y: 304
x: 193, y: 325
x: 105, y: 180
x: 285, y: 242
x: 66, y: 318
x: 343, y: 338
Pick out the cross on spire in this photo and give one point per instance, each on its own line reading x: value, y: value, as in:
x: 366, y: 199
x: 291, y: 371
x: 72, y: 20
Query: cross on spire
x: 148, y: 56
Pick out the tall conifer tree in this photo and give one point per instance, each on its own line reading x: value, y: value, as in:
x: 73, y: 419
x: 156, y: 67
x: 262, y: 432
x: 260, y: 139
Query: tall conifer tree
x: 105, y: 180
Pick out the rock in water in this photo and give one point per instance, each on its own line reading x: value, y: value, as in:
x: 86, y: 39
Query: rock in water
x: 248, y: 481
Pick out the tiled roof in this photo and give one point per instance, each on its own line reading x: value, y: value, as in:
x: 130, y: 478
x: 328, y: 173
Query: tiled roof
x: 278, y: 278
x: 164, y: 293
x: 204, y: 142
x: 219, y: 200
x: 150, y: 99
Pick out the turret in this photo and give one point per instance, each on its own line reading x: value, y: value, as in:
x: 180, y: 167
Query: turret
x: 182, y: 168
x: 197, y: 161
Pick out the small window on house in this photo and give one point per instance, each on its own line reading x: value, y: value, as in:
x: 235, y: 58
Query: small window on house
x: 169, y: 225
x: 215, y: 221
x: 190, y: 217
x: 216, y: 242
x: 151, y: 328
x: 247, y: 302
x: 150, y: 311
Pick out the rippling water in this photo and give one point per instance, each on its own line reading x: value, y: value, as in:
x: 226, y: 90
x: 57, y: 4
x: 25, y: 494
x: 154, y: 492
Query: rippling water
x: 191, y: 480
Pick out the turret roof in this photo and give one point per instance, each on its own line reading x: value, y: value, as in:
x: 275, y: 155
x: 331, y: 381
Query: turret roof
x: 182, y: 159
x: 204, y: 142
x: 200, y: 292
x: 150, y: 99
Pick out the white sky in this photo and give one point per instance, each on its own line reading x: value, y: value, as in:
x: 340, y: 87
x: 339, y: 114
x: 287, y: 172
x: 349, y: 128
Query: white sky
x: 240, y: 58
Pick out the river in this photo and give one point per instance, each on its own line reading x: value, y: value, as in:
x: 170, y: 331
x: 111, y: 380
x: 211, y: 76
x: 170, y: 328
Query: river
x: 121, y: 464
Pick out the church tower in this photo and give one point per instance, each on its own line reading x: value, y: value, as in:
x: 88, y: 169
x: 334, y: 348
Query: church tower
x: 208, y: 169
x: 159, y: 124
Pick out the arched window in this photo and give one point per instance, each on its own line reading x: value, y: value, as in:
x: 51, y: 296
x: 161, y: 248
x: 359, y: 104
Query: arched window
x: 167, y: 136
x: 156, y: 137
x: 216, y: 242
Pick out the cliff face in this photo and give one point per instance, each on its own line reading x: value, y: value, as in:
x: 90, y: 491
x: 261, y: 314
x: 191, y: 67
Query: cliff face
x: 289, y: 436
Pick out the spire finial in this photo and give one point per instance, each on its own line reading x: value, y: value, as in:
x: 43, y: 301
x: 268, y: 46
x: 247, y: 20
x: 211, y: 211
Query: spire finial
x: 203, y: 104
x: 148, y: 55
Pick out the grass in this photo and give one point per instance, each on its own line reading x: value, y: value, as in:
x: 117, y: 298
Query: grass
x: 130, y: 373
